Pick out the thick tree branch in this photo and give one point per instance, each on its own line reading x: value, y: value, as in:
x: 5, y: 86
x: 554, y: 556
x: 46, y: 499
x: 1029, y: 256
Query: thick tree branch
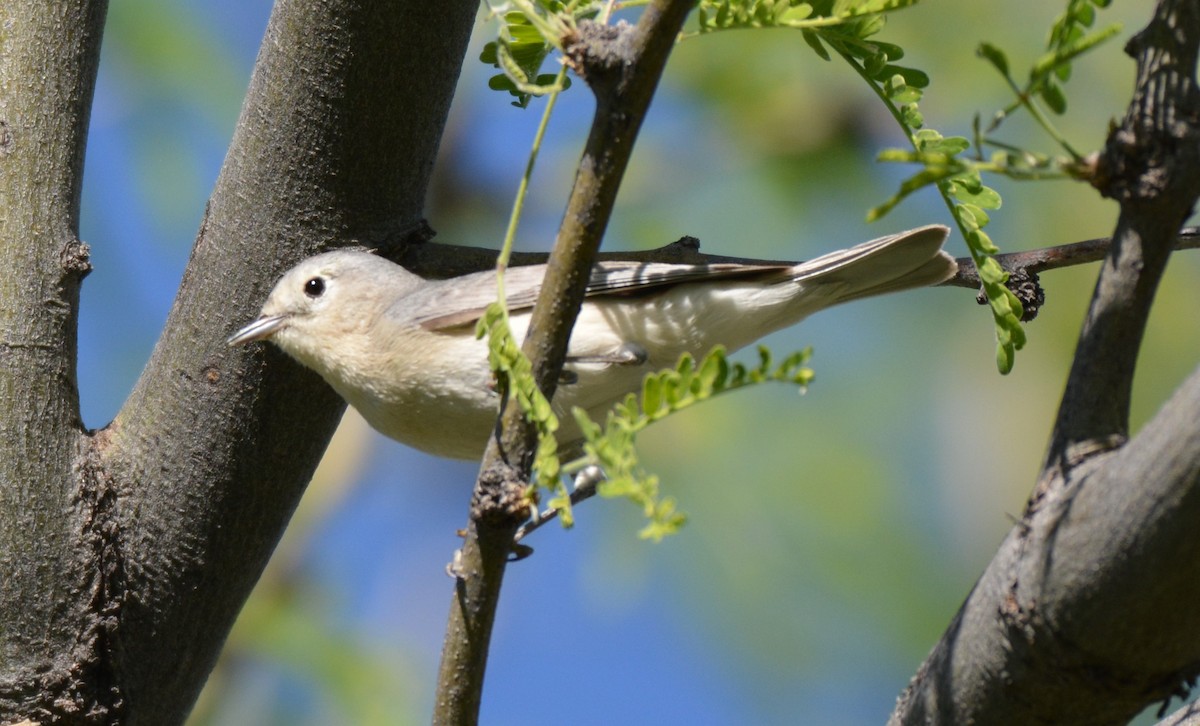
x: 214, y: 446
x: 1081, y: 618
x: 53, y: 644
x: 622, y: 65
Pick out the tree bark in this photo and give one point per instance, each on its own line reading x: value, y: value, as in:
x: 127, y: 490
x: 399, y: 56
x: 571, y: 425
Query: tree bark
x: 53, y: 640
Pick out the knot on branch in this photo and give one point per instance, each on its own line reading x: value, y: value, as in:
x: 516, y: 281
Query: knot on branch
x: 501, y: 498
x: 1132, y: 168
x: 75, y: 258
x: 599, y: 53
x: 686, y: 243
x: 1028, y: 289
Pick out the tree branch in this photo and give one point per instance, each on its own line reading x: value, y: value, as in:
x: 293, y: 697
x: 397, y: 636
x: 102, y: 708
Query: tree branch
x: 1056, y: 257
x: 54, y: 647
x: 214, y: 447
x: 1151, y: 166
x: 622, y: 65
x: 1077, y: 619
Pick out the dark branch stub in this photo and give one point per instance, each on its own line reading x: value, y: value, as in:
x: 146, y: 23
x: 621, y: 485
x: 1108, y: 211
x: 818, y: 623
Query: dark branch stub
x: 1027, y: 287
x: 501, y: 499
x: 600, y: 54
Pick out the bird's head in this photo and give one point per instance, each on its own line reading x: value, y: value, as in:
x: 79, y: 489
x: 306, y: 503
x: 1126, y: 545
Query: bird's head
x: 322, y: 301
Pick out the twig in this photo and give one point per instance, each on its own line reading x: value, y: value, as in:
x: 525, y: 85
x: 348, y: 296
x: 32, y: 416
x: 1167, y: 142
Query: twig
x: 586, y: 485
x: 1052, y: 258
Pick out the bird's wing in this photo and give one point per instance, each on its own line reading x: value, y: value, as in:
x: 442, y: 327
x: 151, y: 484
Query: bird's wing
x: 894, y: 262
x: 462, y: 300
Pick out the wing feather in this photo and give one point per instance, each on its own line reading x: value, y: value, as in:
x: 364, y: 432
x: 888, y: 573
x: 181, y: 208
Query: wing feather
x: 894, y: 262
x: 462, y: 300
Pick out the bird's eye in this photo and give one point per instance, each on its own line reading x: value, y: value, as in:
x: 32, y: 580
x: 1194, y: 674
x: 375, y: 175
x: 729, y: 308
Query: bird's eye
x: 315, y: 287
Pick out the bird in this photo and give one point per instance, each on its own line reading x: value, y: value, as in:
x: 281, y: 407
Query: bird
x: 402, y: 349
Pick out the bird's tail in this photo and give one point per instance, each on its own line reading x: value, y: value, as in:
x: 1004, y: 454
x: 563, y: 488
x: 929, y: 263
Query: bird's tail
x: 888, y: 264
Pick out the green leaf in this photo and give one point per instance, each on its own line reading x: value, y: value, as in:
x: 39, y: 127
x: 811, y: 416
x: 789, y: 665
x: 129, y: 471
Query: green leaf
x: 912, y: 76
x: 712, y: 372
x: 874, y: 65
x: 814, y: 42
x: 892, y: 51
x: 612, y: 447
x: 652, y: 394
x: 488, y: 54
x: 937, y: 144
x: 1071, y: 47
x: 991, y: 272
x: 587, y: 426
x: 1085, y: 14
x: 795, y: 13
x: 971, y: 216
x: 1004, y: 358
x: 911, y: 116
x: 921, y: 179
x: 995, y: 56
x: 901, y: 93
x: 723, y: 13
x: 976, y: 193
x: 1053, y: 96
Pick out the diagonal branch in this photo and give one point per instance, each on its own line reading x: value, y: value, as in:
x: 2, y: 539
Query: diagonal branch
x: 1151, y: 166
x: 214, y: 446
x: 622, y: 65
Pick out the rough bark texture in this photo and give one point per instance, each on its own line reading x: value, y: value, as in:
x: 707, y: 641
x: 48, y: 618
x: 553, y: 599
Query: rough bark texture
x: 53, y: 643
x: 127, y: 553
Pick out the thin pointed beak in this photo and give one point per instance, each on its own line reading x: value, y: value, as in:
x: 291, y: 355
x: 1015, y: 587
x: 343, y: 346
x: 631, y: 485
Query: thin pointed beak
x: 260, y: 329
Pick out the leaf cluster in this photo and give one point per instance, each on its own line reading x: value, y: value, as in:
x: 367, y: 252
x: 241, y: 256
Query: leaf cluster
x: 1069, y: 38
x: 945, y: 165
x: 527, y: 35
x: 611, y: 446
x: 713, y: 15
x: 728, y: 14
x: 847, y: 29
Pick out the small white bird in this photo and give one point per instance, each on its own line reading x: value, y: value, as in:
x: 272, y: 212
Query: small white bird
x: 402, y: 349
